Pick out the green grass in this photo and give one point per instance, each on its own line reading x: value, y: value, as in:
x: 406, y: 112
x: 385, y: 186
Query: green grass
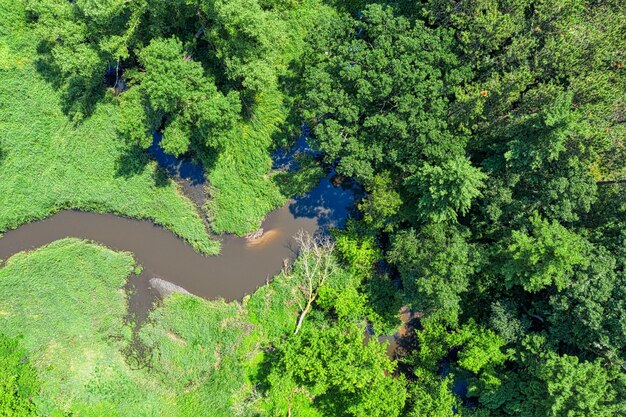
x: 48, y: 163
x: 195, y: 347
x: 68, y: 302
x: 241, y: 189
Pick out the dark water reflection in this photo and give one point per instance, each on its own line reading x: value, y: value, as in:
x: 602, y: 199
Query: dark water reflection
x: 328, y: 204
x: 182, y: 168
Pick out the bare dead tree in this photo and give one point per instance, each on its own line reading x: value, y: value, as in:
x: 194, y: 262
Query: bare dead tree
x: 316, y: 265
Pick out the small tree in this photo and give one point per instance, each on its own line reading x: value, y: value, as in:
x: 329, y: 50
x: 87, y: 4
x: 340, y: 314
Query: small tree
x: 316, y: 267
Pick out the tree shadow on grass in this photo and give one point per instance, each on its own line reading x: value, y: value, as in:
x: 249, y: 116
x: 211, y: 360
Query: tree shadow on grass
x: 160, y: 177
x: 271, y: 359
x: 133, y: 161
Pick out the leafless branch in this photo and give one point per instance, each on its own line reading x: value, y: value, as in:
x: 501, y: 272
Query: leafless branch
x: 315, y: 258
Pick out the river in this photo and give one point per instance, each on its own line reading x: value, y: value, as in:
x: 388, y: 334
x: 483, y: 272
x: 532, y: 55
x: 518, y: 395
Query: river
x: 240, y: 269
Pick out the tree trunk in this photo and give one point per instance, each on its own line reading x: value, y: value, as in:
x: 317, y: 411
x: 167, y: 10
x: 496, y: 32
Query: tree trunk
x: 301, y: 318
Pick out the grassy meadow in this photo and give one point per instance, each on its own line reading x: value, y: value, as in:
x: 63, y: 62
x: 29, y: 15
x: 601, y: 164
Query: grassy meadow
x: 48, y: 163
x: 67, y: 301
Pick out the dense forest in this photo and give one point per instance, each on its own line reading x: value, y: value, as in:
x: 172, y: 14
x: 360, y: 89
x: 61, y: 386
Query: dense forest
x: 488, y: 137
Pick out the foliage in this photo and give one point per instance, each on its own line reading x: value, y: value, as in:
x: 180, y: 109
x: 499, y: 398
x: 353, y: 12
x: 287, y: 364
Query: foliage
x: 375, y: 93
x: 241, y: 192
x: 435, y: 265
x: 357, y: 249
x: 66, y: 302
x: 443, y: 191
x: 299, y: 181
x: 547, y: 257
x: 334, y: 371
x: 18, y: 380
x: 178, y: 96
x: 194, y: 351
x: 430, y: 395
x: 487, y: 134
x: 549, y: 384
x: 381, y: 203
x: 214, y: 91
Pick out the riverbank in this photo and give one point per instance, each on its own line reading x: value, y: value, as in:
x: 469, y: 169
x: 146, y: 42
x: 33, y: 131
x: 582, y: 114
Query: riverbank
x: 67, y: 302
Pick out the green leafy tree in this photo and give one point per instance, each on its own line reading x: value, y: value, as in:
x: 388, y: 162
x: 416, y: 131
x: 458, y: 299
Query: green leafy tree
x: 446, y: 190
x: 332, y: 370
x: 435, y: 265
x: 18, y: 380
x: 547, y: 256
x: 553, y: 385
x: 246, y: 39
x: 382, y: 203
x: 430, y: 395
x: 589, y: 313
x: 80, y: 41
x: 175, y: 91
x: 376, y: 93
x: 357, y: 248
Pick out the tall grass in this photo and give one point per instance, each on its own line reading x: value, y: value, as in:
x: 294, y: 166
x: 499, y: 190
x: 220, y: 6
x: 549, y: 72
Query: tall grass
x: 195, y: 351
x: 68, y: 302
x: 48, y: 163
x: 241, y: 190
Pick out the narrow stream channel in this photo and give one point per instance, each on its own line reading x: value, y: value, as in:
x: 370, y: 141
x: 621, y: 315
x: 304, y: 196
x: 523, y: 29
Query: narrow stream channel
x: 242, y: 266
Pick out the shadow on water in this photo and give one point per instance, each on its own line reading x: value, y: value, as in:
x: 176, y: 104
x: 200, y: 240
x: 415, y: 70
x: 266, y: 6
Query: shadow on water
x: 187, y: 173
x: 328, y: 204
x: 461, y: 379
x: 182, y: 168
x: 284, y: 159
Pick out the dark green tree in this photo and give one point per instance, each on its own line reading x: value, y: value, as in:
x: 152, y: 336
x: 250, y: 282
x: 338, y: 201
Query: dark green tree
x: 549, y: 255
x: 175, y: 92
x: 435, y: 265
x: 548, y: 384
x: 376, y: 93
